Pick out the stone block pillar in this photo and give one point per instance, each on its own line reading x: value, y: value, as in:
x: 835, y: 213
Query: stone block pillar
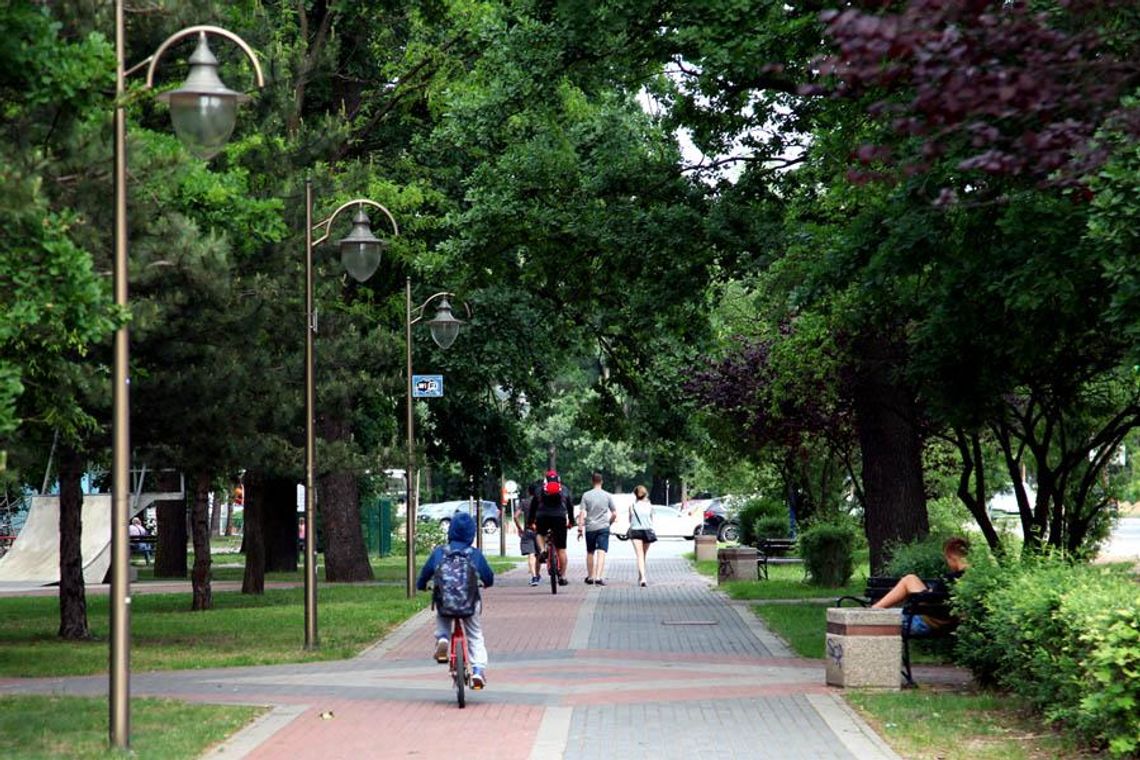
x: 738, y: 564
x: 864, y: 647
x: 705, y: 547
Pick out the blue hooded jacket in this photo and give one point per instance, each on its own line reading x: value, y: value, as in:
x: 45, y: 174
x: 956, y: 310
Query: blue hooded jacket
x: 460, y: 536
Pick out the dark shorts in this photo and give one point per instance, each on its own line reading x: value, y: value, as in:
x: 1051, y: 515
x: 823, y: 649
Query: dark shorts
x: 598, y: 540
x: 557, y: 525
x: 647, y: 536
x: 527, y: 544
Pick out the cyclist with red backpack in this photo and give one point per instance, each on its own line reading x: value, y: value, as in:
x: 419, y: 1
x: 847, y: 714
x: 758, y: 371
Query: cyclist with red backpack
x: 455, y: 571
x: 552, y: 510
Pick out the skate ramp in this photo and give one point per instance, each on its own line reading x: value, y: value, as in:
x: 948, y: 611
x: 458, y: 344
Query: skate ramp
x: 34, y: 556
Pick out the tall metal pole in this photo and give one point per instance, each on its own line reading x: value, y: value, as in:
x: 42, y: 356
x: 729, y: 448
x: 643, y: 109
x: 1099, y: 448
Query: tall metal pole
x: 502, y: 517
x: 310, y: 433
x: 412, y: 499
x: 120, y: 673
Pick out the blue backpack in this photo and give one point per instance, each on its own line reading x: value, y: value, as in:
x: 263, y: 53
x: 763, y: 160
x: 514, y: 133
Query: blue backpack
x: 456, y: 585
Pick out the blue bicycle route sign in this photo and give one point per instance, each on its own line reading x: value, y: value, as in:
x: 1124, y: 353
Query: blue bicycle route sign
x: 427, y: 386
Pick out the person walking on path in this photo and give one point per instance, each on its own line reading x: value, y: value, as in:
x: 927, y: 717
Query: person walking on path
x: 641, y: 532
x: 460, y: 535
x: 594, y: 519
x: 527, y: 545
x: 552, y: 510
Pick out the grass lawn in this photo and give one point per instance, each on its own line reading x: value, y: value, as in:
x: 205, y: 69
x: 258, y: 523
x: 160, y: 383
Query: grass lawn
x: 231, y: 567
x: 785, y: 582
x: 240, y: 630
x: 925, y: 724
x: 76, y: 727
x: 166, y: 635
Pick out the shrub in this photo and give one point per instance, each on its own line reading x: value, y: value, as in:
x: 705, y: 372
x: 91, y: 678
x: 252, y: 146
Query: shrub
x: 827, y: 549
x: 760, y: 508
x: 922, y: 557
x: 428, y: 536
x: 770, y: 527
x: 1066, y: 637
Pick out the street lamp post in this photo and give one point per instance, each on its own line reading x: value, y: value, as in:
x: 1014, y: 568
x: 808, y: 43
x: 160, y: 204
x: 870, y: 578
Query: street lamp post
x: 444, y: 329
x: 203, y: 111
x: 360, y: 255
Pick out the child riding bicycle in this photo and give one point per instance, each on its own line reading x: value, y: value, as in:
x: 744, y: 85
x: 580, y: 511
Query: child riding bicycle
x: 456, y: 569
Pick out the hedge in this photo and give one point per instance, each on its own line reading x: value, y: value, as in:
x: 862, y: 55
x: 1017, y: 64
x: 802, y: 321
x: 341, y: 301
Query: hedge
x: 1065, y: 637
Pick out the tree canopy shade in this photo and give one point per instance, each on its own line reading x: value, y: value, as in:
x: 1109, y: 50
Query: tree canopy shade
x: 531, y: 153
x: 1023, y: 88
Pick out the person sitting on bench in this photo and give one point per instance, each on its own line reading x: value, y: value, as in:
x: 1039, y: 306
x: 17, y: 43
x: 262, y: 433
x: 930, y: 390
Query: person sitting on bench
x: 137, y: 532
x: 955, y: 552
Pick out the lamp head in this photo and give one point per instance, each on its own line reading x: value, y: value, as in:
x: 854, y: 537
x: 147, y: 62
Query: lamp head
x: 360, y: 251
x: 444, y: 326
x: 203, y: 109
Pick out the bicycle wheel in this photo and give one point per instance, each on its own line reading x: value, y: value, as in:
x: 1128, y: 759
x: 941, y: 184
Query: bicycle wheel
x: 552, y: 564
x: 461, y: 672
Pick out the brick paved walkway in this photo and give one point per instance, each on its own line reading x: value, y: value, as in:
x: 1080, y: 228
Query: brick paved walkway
x: 674, y: 670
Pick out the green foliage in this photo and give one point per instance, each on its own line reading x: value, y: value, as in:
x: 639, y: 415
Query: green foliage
x: 1065, y: 637
x: 828, y: 551
x: 429, y: 535
x: 769, y: 527
x: 762, y: 517
x: 923, y: 558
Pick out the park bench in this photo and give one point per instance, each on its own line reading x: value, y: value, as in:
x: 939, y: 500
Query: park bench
x: 932, y: 603
x: 775, y: 551
x: 142, y: 546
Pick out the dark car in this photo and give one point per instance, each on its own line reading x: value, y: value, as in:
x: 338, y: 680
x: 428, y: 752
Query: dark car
x: 720, y: 521
x: 442, y: 511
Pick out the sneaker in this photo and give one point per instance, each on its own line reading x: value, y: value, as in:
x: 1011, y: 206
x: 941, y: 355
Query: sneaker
x: 562, y: 581
x: 535, y: 580
x: 590, y: 581
x: 600, y: 582
x: 441, y: 650
x: 478, y: 679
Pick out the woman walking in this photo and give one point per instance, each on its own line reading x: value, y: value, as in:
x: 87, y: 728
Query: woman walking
x: 641, y: 529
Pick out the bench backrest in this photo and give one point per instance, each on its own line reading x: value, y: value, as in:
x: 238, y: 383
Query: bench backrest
x: 777, y: 545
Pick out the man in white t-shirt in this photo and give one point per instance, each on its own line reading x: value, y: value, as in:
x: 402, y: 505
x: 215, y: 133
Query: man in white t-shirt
x: 594, y: 519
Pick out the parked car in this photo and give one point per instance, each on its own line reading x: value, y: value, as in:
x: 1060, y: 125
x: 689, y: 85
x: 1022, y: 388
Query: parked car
x: 720, y: 521
x: 668, y: 522
x: 441, y: 512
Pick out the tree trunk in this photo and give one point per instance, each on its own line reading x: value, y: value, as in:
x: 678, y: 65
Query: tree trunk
x: 170, y: 551
x: 973, y: 466
x: 346, y: 556
x: 200, y: 532
x: 216, y: 517
x: 72, y: 592
x: 279, y: 521
x: 891, y: 448
x: 253, y: 541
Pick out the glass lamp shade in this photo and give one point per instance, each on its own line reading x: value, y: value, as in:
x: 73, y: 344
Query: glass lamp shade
x: 203, y: 109
x: 360, y: 251
x: 203, y: 122
x: 444, y: 326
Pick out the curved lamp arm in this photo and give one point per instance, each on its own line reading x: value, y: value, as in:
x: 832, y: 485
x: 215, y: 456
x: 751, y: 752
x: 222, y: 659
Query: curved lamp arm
x: 327, y: 223
x: 207, y: 29
x: 419, y: 310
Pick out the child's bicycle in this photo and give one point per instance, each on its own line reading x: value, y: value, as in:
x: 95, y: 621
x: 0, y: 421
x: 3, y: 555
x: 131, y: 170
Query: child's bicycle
x: 459, y: 661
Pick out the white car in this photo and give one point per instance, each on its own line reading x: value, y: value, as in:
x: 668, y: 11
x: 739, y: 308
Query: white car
x: 668, y: 522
